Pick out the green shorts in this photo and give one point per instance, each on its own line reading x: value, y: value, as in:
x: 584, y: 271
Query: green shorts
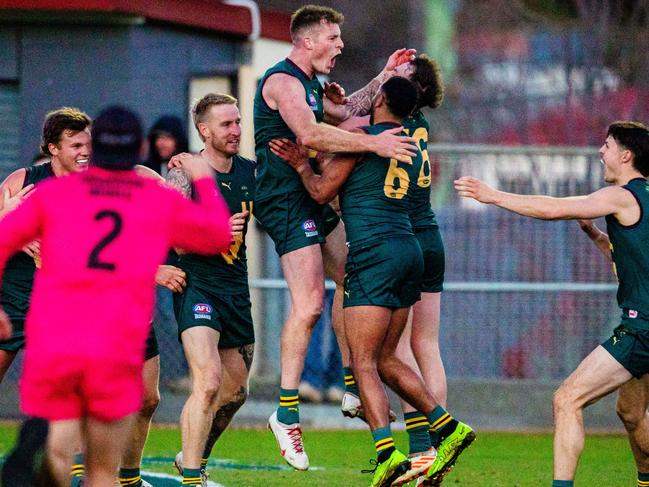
x: 228, y: 314
x: 152, y: 349
x: 630, y: 346
x: 386, y: 273
x: 330, y: 219
x: 292, y: 220
x: 16, y: 307
x: 432, y: 249
x: 15, y: 342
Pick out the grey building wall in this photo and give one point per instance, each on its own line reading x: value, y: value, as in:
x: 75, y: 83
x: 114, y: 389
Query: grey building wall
x: 147, y: 67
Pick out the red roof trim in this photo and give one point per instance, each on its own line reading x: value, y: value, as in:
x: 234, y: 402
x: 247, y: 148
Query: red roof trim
x: 205, y: 14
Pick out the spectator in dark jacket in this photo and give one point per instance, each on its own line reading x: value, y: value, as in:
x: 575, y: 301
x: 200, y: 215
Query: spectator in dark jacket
x: 166, y: 139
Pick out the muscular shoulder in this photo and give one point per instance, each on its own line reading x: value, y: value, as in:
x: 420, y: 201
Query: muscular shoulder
x: 147, y: 172
x: 282, y: 86
x: 14, y: 182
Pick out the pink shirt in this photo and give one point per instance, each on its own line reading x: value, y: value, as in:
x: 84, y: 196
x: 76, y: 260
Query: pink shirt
x: 103, y: 235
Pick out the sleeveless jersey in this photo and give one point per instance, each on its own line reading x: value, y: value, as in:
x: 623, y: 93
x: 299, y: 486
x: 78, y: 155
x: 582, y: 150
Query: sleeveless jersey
x: 274, y: 175
x: 631, y: 254
x: 18, y: 278
x: 227, y: 273
x: 375, y: 200
x: 421, y: 213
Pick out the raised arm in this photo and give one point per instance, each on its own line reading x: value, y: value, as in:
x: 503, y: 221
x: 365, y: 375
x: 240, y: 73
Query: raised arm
x: 321, y: 187
x: 12, y: 191
x: 612, y: 200
x: 201, y: 226
x: 599, y: 238
x: 339, y: 108
x: 286, y: 94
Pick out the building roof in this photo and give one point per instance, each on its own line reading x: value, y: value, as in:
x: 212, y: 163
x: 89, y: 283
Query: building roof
x: 212, y: 15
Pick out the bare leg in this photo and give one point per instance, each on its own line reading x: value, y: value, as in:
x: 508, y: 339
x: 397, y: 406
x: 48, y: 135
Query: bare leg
x: 235, y: 363
x: 419, y: 347
x: 304, y: 274
x: 396, y: 374
x: 632, y: 409
x: 369, y: 325
x: 105, y: 443
x: 62, y: 442
x: 6, y: 359
x: 596, y: 376
x: 132, y: 457
x: 335, y: 255
x: 200, y: 345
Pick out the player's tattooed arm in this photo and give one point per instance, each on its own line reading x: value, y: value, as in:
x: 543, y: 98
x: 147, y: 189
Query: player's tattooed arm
x: 360, y: 103
x: 177, y: 178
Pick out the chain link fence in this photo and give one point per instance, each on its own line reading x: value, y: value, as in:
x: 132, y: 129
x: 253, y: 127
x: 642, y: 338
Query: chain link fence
x: 523, y: 298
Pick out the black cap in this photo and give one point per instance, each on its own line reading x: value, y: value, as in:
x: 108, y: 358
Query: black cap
x: 116, y: 139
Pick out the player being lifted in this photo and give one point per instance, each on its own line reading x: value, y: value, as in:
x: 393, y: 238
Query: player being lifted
x: 213, y: 313
x: 289, y: 103
x: 384, y: 269
x: 101, y: 245
x: 625, y: 205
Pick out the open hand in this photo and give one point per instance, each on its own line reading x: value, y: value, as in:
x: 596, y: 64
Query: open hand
x: 296, y: 155
x: 171, y: 277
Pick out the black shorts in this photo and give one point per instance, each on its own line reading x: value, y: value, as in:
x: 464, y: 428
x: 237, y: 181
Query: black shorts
x: 386, y: 273
x: 630, y: 347
x: 152, y: 349
x: 230, y: 315
x: 432, y: 249
x: 292, y: 220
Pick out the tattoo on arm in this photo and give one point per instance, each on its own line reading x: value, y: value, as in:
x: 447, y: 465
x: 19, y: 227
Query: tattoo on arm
x: 360, y: 103
x: 177, y: 178
x: 247, y: 352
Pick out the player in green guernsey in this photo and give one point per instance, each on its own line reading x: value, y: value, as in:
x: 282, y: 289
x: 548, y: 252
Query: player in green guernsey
x: 213, y: 313
x: 624, y: 356
x: 289, y: 104
x: 384, y: 268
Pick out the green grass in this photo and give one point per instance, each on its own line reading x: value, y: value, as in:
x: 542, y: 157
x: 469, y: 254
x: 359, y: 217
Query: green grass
x: 495, y: 459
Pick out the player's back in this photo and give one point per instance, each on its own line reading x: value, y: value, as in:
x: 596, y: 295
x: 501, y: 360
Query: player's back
x: 103, y: 235
x: 375, y: 199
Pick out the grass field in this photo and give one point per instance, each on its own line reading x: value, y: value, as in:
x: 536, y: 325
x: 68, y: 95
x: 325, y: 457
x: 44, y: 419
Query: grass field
x: 249, y: 457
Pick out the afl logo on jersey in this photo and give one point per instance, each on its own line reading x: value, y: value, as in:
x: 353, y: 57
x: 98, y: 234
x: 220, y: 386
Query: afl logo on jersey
x: 313, y: 102
x: 202, y: 311
x: 310, y: 229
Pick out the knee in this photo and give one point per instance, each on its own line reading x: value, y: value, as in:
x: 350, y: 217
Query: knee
x: 563, y: 402
x: 206, y: 386
x: 150, y: 403
x: 236, y: 399
x: 309, y: 313
x: 630, y: 414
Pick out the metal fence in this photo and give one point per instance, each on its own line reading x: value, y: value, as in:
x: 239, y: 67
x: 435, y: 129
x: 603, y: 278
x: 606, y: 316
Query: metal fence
x: 523, y: 298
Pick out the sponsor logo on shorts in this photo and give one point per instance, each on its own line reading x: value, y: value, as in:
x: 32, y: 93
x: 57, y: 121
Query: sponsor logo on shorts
x: 310, y: 229
x: 202, y: 311
x: 633, y: 313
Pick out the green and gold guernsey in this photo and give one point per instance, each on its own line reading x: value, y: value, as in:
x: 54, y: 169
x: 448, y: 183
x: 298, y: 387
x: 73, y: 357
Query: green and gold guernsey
x: 274, y: 175
x: 375, y: 200
x: 630, y: 250
x: 227, y: 273
x: 421, y: 213
x: 18, y: 278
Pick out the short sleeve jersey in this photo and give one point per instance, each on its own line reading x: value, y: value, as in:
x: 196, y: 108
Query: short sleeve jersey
x: 421, y: 213
x: 227, y: 273
x: 274, y: 175
x: 376, y: 198
x: 631, y: 253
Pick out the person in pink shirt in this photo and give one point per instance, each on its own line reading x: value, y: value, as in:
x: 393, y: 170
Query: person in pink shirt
x: 103, y: 234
